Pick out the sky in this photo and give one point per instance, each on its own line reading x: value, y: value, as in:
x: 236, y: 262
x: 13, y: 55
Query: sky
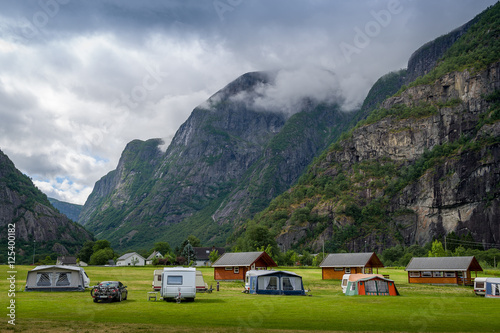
x: 81, y: 79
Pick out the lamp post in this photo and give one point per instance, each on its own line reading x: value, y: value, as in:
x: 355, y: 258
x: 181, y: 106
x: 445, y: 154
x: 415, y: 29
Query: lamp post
x: 34, y: 241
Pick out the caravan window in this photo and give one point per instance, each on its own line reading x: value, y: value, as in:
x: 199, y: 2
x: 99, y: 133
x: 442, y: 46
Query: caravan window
x: 43, y: 280
x: 63, y: 279
x: 175, y: 280
x: 291, y: 283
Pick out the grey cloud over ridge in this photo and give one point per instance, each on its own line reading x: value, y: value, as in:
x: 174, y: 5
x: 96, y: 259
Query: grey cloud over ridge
x: 80, y: 79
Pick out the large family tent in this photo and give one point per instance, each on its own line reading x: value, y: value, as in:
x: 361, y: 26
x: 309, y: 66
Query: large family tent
x: 370, y: 284
x: 57, y: 278
x: 492, y: 287
x: 275, y: 283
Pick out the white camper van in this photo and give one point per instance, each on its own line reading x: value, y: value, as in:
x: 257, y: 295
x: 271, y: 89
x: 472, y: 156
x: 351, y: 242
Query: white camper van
x: 178, y: 283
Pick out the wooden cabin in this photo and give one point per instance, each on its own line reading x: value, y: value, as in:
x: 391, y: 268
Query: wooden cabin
x: 335, y: 265
x: 443, y: 270
x: 233, y: 266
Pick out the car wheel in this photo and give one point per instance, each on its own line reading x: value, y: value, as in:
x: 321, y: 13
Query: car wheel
x: 119, y: 297
x: 126, y: 295
x: 95, y: 300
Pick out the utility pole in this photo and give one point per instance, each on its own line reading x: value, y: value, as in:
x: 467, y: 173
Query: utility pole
x: 444, y: 243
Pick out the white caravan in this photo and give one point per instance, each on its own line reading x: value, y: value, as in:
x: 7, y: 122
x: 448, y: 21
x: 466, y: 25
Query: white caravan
x: 178, y: 283
x: 157, y: 279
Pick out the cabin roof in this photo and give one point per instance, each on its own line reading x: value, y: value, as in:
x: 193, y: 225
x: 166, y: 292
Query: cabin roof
x: 444, y: 264
x: 367, y: 259
x: 202, y: 253
x: 243, y: 259
x: 128, y: 255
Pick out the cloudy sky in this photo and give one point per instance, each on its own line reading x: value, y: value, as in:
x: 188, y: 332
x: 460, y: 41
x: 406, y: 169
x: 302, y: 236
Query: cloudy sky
x: 80, y: 79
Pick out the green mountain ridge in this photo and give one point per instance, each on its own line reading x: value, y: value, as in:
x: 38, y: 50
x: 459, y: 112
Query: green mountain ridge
x: 422, y: 164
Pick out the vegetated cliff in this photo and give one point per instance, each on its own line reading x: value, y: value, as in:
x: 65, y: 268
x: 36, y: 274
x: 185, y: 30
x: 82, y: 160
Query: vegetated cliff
x: 423, y: 164
x: 22, y: 204
x: 228, y: 160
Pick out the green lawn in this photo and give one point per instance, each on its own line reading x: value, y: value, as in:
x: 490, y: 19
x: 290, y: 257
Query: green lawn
x: 419, y: 308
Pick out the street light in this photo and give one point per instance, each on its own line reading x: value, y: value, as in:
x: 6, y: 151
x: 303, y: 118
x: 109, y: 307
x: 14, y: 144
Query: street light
x: 34, y: 241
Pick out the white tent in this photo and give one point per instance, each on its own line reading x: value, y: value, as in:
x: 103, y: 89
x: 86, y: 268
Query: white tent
x: 57, y: 278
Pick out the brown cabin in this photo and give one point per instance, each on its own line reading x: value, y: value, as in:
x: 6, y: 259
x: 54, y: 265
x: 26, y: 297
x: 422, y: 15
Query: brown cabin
x: 233, y: 266
x: 443, y: 270
x: 335, y: 265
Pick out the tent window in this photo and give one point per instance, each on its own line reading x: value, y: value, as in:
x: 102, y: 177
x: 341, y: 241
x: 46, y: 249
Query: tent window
x: 495, y: 289
x: 382, y: 287
x: 371, y: 286
x: 291, y: 283
x: 43, y: 280
x: 175, y: 280
x: 353, y: 286
x: 63, y: 279
x: 268, y: 283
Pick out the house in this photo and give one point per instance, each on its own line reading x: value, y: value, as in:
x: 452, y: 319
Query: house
x: 233, y: 266
x: 443, y: 270
x: 370, y: 284
x: 64, y: 260
x: 274, y: 283
x: 202, y: 254
x: 57, y: 278
x: 152, y: 256
x: 131, y: 259
x: 335, y: 265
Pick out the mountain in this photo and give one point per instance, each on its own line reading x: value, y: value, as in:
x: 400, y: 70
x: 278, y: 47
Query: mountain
x: 423, y: 163
x: 35, y: 219
x: 226, y: 162
x: 70, y: 210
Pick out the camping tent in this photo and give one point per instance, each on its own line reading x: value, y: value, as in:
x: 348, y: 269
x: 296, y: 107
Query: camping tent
x: 56, y: 278
x: 492, y: 288
x: 275, y: 283
x: 370, y: 284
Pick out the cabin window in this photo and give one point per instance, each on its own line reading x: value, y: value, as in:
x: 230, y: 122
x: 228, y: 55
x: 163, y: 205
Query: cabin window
x: 236, y: 270
x: 175, y: 280
x: 348, y: 270
x: 43, y: 280
x: 437, y: 274
x: 338, y: 269
x: 414, y: 274
x: 449, y: 274
x: 63, y: 279
x: 426, y: 274
x: 228, y: 268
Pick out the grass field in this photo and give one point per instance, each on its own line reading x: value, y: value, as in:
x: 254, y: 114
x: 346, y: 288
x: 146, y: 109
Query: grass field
x: 419, y: 308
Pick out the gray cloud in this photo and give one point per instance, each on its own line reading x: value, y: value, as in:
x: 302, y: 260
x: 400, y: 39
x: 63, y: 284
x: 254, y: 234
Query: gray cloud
x: 79, y: 79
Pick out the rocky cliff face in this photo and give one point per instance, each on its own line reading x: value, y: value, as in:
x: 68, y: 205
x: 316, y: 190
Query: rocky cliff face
x: 226, y: 161
x: 24, y: 205
x: 406, y: 179
x: 423, y: 60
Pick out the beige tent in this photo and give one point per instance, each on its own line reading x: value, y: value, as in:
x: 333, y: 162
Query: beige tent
x: 57, y: 278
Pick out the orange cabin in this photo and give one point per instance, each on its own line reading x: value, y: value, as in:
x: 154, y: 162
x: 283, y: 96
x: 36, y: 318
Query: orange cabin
x: 233, y: 266
x: 443, y: 270
x: 335, y: 265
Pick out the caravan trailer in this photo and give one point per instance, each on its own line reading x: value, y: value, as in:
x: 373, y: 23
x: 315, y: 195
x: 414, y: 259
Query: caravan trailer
x: 178, y: 283
x: 157, y: 279
x: 480, y: 286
